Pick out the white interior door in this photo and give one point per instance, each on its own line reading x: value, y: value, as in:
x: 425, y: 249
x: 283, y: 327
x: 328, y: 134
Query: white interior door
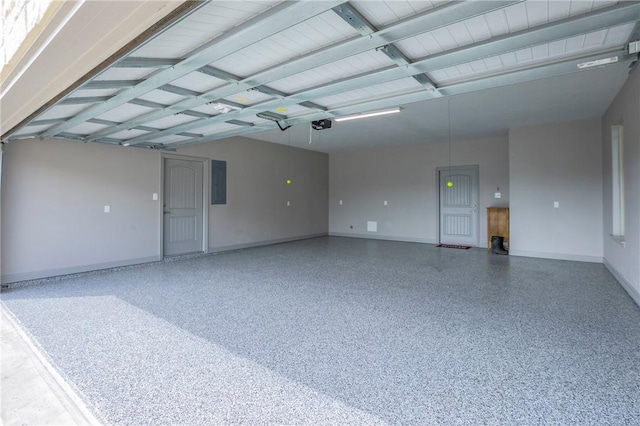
x: 459, y: 205
x: 183, y: 202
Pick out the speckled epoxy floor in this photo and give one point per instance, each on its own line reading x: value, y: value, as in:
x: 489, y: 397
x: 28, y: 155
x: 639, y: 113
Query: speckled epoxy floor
x: 344, y: 331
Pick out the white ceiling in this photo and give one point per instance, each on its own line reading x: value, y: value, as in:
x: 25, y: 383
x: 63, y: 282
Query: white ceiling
x: 482, y: 114
x: 494, y: 65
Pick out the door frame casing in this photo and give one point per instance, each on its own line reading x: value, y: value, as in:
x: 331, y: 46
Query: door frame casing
x: 476, y: 188
x: 205, y: 198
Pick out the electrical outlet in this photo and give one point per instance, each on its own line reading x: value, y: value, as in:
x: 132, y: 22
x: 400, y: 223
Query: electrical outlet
x: 556, y: 204
x: 107, y: 209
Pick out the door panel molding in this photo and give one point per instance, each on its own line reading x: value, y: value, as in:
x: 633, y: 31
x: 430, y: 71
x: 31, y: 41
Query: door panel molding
x: 199, y: 196
x: 458, y: 206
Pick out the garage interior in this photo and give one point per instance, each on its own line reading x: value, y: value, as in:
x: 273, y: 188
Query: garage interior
x: 229, y: 212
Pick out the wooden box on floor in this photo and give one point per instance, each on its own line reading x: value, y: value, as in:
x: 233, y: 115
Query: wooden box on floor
x: 498, y: 224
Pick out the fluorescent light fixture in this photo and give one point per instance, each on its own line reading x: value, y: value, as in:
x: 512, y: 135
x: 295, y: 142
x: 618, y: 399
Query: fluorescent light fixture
x: 368, y: 114
x: 595, y: 63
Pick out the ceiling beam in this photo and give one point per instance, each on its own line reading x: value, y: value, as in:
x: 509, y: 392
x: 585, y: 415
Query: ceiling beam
x: 83, y: 100
x: 219, y: 74
x: 616, y: 15
x: 426, y: 21
x: 196, y: 114
x: 514, y: 77
x: 312, y: 105
x: 48, y: 121
x: 173, y: 17
x: 350, y: 15
x: 147, y: 104
x: 111, y: 84
x: 240, y: 123
x: 132, y: 62
x: 278, y: 18
x: 179, y: 91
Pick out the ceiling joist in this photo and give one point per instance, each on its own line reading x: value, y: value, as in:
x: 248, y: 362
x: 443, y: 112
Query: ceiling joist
x: 314, y: 79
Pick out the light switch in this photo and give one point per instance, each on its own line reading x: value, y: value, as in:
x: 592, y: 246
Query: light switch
x: 107, y: 209
x: 497, y: 195
x: 556, y: 204
x: 385, y: 202
x: 340, y: 202
x: 155, y: 196
x: 288, y: 203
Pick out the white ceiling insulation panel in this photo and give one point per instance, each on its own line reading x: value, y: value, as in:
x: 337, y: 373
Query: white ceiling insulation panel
x: 293, y: 42
x: 93, y: 92
x: 172, y: 120
x: 162, y: 97
x: 249, y: 97
x: 33, y: 129
x: 124, y: 112
x: 293, y: 110
x: 198, y: 82
x: 63, y: 111
x: 381, y: 13
x: 128, y: 134
x: 87, y: 128
x: 126, y: 74
x: 592, y: 42
x: 349, y: 67
x: 274, y: 59
x: 405, y: 85
x: 214, y: 128
x: 206, y: 109
x: 210, y: 22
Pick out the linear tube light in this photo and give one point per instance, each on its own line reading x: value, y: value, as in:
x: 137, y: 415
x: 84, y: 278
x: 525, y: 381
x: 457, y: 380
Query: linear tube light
x: 368, y: 114
x: 595, y: 63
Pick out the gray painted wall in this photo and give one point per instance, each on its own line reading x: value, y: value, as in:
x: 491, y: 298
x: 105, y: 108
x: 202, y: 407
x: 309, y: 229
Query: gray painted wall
x: 53, y: 198
x: 256, y: 211
x: 624, y: 260
x: 54, y: 193
x: 556, y: 162
x: 406, y: 178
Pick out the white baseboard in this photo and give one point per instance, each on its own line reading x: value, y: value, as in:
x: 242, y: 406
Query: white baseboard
x: 635, y: 295
x: 384, y: 237
x: 49, y: 273
x: 557, y: 256
x: 264, y: 243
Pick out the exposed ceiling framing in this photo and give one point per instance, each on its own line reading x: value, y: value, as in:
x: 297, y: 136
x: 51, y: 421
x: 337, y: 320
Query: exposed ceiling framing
x: 238, y: 67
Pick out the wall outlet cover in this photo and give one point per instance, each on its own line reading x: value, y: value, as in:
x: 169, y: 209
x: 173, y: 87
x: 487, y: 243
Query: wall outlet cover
x: 372, y: 226
x: 497, y: 195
